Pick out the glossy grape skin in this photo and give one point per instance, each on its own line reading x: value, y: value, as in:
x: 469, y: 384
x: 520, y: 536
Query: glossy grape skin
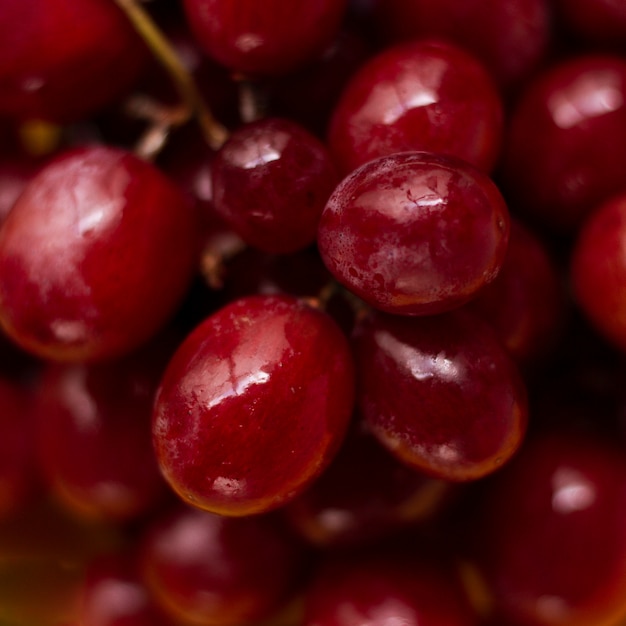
x: 271, y: 180
x: 425, y: 95
x: 381, y: 237
x: 95, y: 256
x: 265, y: 38
x: 253, y: 405
x: 62, y: 60
x: 94, y: 436
x: 440, y: 393
x: 567, y: 141
x: 208, y: 569
x: 511, y: 38
x: 551, y: 538
x: 598, y: 269
x: 380, y: 590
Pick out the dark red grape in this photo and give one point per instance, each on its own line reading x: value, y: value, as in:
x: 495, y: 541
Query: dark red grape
x: 551, y: 537
x: 598, y: 269
x: 511, y: 38
x: 364, y: 495
x: 271, y: 180
x: 440, y: 393
x: 415, y: 233
x: 62, y: 60
x: 95, y: 438
x: 525, y: 304
x: 381, y: 590
x: 567, y: 140
x: 267, y: 38
x: 207, y: 569
x: 113, y: 594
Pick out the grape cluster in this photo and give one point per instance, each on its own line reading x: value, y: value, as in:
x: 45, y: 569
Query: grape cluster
x: 313, y: 313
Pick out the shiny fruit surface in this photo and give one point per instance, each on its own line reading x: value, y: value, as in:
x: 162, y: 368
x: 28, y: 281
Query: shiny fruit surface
x: 415, y: 233
x: 553, y: 544
x: 269, y: 37
x: 95, y: 256
x: 440, y: 393
x: 253, y: 405
x: 424, y: 95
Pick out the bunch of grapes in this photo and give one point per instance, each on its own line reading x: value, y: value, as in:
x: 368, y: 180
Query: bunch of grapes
x: 313, y: 313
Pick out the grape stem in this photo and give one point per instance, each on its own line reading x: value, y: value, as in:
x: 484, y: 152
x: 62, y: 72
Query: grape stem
x: 214, y: 133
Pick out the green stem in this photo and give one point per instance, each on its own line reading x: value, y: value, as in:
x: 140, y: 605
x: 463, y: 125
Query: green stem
x: 214, y: 132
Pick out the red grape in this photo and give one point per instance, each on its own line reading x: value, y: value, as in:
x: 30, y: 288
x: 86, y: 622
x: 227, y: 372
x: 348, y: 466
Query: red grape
x: 207, y: 569
x: 253, y: 405
x: 271, y: 180
x: 95, y: 256
x: 415, y: 233
x: 598, y: 269
x: 511, y: 38
x: 268, y: 37
x: 551, y: 534
x: 62, y: 60
x: 425, y: 95
x: 440, y: 393
x: 567, y: 140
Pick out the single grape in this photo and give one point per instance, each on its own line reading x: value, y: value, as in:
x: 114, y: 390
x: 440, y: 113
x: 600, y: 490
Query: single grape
x: 511, y: 38
x: 254, y: 405
x: 95, y: 256
x: 567, y: 140
x: 525, y: 304
x: 366, y: 494
x: 203, y: 568
x: 113, y: 594
x: 271, y: 180
x: 384, y: 589
x: 425, y: 95
x: 440, y: 393
x: 415, y: 233
x: 550, y: 538
x: 266, y: 38
x: 63, y: 60
x: 95, y: 439
x: 598, y: 269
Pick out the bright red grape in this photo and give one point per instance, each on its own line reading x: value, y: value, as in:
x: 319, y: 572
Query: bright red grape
x: 253, y: 406
x: 424, y: 95
x: 95, y: 256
